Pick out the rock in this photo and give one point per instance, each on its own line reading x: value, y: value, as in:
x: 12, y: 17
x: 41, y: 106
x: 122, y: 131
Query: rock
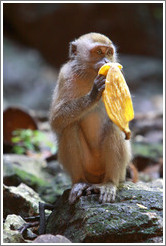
x: 138, y: 68
x: 48, y: 238
x: 21, y: 200
x: 147, y: 158
x: 40, y: 115
x: 48, y: 180
x: 28, y: 78
x: 154, y: 136
x: 26, y: 163
x: 12, y: 237
x: 145, y: 79
x: 27, y: 169
x: 10, y: 230
x: 155, y: 240
x: 149, y: 150
x: 147, y: 124
x: 135, y: 217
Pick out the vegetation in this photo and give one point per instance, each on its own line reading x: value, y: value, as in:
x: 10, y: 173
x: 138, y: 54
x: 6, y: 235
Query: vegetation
x: 25, y: 140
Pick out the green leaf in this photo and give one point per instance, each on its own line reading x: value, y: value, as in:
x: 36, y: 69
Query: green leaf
x: 33, y: 140
x: 26, y: 133
x: 16, y: 139
x: 29, y: 146
x: 18, y: 149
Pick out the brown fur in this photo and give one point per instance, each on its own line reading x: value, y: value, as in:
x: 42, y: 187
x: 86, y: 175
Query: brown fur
x: 91, y: 148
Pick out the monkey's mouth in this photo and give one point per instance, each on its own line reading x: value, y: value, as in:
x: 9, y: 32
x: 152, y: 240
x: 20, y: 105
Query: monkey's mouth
x: 100, y: 64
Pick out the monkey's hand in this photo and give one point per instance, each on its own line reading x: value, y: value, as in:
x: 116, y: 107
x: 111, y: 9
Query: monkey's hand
x: 98, y: 87
x: 107, y: 191
x: 77, y: 191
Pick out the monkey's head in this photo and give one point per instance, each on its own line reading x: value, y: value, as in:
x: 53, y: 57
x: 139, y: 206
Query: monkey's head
x: 92, y: 50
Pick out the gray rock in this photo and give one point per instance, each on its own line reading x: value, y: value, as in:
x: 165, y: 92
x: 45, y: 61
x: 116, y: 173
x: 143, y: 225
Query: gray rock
x: 48, y: 238
x: 150, y: 150
x: 144, y: 76
x: 21, y: 200
x: 28, y: 78
x: 135, y: 217
x: 23, y: 169
x: 10, y: 230
x: 13, y: 162
x: 49, y: 180
x: 138, y: 68
x: 155, y: 240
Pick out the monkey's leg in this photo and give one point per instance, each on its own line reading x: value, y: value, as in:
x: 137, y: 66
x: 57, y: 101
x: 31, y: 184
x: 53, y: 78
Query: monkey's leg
x: 70, y: 155
x: 116, y: 155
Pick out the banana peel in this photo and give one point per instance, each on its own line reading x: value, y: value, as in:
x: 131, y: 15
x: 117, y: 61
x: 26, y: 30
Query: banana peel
x: 116, y: 97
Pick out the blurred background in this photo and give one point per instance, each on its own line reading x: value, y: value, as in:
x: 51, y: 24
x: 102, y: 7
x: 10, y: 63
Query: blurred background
x: 36, y: 42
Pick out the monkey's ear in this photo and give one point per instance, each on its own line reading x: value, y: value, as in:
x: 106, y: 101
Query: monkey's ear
x: 73, y: 49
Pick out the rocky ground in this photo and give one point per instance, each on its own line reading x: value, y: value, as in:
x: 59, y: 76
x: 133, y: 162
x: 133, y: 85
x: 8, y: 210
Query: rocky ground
x: 136, y: 216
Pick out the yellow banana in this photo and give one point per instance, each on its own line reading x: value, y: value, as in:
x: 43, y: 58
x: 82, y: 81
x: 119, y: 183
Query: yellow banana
x: 116, y: 97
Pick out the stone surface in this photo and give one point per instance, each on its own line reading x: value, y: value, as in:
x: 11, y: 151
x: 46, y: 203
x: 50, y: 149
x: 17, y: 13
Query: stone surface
x: 28, y: 79
x: 149, y: 150
x: 21, y: 200
x: 48, y: 238
x: 135, y: 217
x: 10, y: 230
x: 34, y: 166
x: 49, y: 180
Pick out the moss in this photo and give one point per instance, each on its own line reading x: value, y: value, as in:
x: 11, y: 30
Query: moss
x: 123, y: 221
x: 148, y: 150
x: 30, y: 179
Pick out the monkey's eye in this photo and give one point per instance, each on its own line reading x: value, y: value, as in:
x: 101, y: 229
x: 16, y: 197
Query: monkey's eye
x: 99, y: 52
x: 110, y: 52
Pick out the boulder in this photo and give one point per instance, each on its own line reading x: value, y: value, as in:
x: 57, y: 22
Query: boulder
x: 49, y: 180
x: 135, y: 217
x: 11, y: 233
x: 28, y: 78
x: 14, y: 164
x: 21, y: 200
x: 48, y: 238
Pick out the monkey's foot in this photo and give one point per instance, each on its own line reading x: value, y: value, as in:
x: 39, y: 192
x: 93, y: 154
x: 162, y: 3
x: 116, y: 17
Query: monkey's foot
x: 77, y: 191
x: 107, y: 191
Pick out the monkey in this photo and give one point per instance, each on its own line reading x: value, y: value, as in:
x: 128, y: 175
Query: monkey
x: 91, y: 148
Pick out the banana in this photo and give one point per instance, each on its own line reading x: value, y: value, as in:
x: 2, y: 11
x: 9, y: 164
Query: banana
x: 116, y: 97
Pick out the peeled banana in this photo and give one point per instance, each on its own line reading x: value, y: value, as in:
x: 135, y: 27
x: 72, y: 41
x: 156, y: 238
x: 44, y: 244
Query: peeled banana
x: 116, y: 97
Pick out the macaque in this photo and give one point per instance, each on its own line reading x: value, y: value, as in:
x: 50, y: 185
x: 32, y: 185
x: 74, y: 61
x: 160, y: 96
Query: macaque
x: 91, y: 147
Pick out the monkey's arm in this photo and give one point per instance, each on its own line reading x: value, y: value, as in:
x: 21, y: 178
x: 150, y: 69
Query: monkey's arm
x: 65, y: 112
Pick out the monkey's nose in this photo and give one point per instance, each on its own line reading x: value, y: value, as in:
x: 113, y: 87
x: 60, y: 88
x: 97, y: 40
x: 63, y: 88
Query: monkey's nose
x: 106, y: 60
